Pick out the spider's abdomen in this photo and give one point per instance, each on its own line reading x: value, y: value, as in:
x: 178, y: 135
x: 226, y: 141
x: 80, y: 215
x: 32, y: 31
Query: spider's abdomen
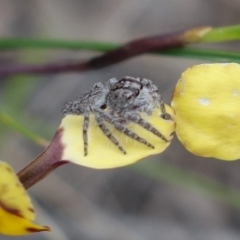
x: 74, y: 107
x: 96, y: 97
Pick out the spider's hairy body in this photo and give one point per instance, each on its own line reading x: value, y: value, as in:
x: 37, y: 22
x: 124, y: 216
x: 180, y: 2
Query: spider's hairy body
x: 118, y: 102
x: 95, y: 97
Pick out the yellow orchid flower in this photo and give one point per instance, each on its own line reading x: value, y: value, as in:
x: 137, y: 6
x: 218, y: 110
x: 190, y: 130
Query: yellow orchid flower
x: 67, y: 146
x: 207, y: 105
x: 16, y: 210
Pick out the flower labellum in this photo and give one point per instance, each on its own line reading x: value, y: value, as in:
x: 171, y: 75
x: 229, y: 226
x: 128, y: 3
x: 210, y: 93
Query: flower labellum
x: 102, y: 153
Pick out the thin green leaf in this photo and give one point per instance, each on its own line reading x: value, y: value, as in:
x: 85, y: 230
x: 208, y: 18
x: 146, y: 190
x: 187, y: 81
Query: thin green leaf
x: 28, y: 43
x: 13, y: 124
x: 207, y: 54
x: 222, y: 34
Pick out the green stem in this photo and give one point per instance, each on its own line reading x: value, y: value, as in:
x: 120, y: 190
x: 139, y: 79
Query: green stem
x: 222, y: 34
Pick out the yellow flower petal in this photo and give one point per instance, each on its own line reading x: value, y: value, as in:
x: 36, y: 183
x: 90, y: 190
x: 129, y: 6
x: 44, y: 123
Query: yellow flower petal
x: 11, y: 191
x: 104, y: 154
x: 207, y: 105
x: 16, y: 210
x: 11, y: 224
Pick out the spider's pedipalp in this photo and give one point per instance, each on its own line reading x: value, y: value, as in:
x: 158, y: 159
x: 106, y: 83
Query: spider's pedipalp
x: 137, y: 119
x: 105, y: 130
x: 85, y: 129
x: 162, y: 107
x: 164, y: 114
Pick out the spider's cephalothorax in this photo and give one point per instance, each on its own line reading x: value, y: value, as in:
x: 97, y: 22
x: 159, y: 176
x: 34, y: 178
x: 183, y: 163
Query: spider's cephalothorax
x: 118, y: 102
x: 131, y: 93
x: 123, y: 93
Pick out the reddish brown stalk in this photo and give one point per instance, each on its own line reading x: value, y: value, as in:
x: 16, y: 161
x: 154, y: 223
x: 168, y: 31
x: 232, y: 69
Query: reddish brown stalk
x: 46, y: 162
x: 127, y: 51
x: 137, y: 47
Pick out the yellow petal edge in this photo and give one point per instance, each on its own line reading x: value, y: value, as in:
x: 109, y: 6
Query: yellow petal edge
x: 16, y: 210
x: 207, y: 105
x: 102, y: 153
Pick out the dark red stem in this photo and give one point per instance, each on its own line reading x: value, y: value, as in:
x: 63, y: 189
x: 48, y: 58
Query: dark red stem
x: 137, y: 47
x: 129, y: 50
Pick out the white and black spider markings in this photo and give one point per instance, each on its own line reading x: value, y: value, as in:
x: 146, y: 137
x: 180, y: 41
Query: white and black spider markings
x: 118, y: 102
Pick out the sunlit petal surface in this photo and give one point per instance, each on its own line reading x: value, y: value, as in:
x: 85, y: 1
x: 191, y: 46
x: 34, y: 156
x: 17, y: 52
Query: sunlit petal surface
x: 207, y: 105
x: 104, y: 154
x: 16, y: 210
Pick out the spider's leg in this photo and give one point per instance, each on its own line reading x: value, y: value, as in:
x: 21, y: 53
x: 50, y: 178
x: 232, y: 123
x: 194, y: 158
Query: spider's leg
x: 162, y: 106
x: 106, y: 131
x: 164, y: 114
x: 137, y: 119
x: 85, y: 129
x: 121, y: 128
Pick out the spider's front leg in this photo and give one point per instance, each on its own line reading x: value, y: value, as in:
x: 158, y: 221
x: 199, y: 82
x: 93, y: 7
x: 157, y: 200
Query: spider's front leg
x: 116, y: 122
x: 135, y: 117
x: 100, y: 121
x: 85, y: 129
x: 164, y: 114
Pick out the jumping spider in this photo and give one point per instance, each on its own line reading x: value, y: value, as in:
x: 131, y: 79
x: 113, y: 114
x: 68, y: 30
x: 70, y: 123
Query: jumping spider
x: 118, y: 102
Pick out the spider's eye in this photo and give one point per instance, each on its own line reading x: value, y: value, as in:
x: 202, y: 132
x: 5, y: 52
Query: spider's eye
x: 104, y: 106
x: 97, y: 85
x: 136, y: 92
